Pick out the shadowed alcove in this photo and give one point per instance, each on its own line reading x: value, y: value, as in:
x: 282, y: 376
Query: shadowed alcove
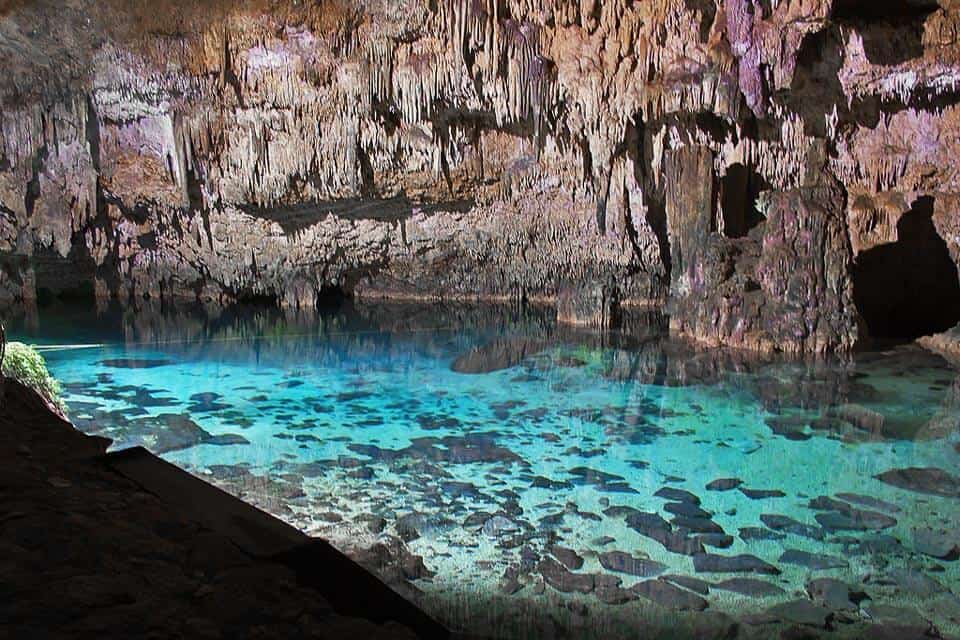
x: 908, y: 288
x: 739, y: 189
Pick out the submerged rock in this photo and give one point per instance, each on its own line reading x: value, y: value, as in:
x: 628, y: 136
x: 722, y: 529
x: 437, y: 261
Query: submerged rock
x: 759, y: 533
x: 801, y: 612
x: 625, y: 563
x: 855, y: 521
x: 938, y: 543
x: 750, y: 587
x: 745, y: 563
x: 686, y: 509
x: 568, y: 557
x: 226, y: 439
x: 815, y: 561
x: 677, y: 495
x: 724, y: 484
x: 206, y: 403
x: 669, y: 596
x: 789, y: 525
x: 393, y: 562
x: 509, y: 582
x: 929, y: 480
x: 172, y: 432
x: 688, y: 582
x: 499, y: 525
x: 602, y: 480
x: 697, y: 525
x: 831, y: 593
x: 847, y: 518
x: 892, y: 617
x: 558, y: 577
x: 608, y: 590
x: 869, y: 501
x: 408, y: 526
x: 541, y: 482
x: 716, y: 540
x: 653, y: 526
x: 762, y: 494
x: 915, y: 582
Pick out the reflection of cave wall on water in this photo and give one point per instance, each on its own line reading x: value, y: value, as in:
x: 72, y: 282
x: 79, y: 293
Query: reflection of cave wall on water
x: 908, y: 288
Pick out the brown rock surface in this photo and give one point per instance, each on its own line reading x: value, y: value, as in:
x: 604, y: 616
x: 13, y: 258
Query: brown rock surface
x: 507, y: 150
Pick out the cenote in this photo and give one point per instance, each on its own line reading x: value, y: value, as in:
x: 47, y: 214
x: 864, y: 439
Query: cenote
x: 552, y: 481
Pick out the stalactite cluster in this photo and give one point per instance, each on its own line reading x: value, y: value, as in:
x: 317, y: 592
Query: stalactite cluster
x: 513, y: 149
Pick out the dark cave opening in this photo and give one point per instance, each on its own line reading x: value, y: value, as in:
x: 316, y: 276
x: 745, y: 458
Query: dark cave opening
x: 258, y: 299
x: 882, y: 10
x: 332, y: 298
x: 892, y: 30
x: 908, y: 288
x: 81, y: 294
x: 740, y: 187
x: 708, y: 11
x: 816, y: 89
x: 329, y: 298
x: 60, y: 279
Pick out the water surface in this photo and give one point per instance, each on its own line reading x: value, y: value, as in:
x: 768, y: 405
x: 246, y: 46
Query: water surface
x: 549, y: 478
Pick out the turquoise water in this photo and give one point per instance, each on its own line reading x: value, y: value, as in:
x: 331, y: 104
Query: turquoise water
x: 499, y: 447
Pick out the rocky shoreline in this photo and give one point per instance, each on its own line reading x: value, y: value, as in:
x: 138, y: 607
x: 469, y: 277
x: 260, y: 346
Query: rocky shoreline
x: 89, y: 553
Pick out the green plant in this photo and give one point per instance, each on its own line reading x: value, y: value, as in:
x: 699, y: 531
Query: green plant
x: 24, y: 364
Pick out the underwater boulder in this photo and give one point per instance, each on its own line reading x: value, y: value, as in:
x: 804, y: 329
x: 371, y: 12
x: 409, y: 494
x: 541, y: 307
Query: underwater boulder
x: 929, y: 480
x: 558, y: 577
x: 669, y: 596
x: 745, y: 563
x: 751, y: 587
x: 625, y: 563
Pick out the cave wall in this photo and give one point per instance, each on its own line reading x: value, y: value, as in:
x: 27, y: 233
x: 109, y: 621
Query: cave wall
x: 735, y: 160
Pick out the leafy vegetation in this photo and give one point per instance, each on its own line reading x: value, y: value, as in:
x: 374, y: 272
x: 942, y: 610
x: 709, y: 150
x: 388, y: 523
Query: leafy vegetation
x: 25, y: 364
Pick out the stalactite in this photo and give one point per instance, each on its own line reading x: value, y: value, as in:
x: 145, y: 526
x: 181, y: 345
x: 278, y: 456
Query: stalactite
x: 496, y: 102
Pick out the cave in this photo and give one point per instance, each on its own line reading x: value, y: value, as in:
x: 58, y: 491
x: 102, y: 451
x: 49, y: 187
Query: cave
x: 331, y: 298
x: 463, y: 319
x: 257, y: 299
x: 908, y: 288
x: 816, y: 89
x: 892, y: 30
x: 62, y: 279
x: 740, y: 187
x: 871, y: 11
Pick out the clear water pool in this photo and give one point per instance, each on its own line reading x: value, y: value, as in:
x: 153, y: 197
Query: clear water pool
x: 551, y: 479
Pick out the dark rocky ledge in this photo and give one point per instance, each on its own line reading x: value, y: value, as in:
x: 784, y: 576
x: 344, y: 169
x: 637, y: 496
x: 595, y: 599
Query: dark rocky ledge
x: 125, y: 545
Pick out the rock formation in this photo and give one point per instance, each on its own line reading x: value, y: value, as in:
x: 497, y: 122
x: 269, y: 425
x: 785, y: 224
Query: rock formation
x: 780, y: 173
